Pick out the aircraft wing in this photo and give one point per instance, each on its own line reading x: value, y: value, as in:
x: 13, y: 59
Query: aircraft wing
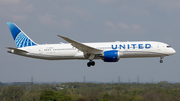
x: 16, y: 49
x: 82, y: 47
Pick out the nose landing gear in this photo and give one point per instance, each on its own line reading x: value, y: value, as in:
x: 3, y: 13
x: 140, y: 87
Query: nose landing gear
x: 90, y: 63
x: 161, y: 61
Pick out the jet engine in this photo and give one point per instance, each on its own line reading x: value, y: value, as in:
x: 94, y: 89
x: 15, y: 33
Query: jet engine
x: 111, y: 56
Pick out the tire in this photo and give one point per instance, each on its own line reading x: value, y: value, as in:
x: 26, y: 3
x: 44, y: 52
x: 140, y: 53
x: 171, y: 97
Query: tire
x: 89, y: 64
x: 92, y: 63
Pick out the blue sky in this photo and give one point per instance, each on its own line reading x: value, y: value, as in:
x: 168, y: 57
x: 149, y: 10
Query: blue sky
x: 90, y: 21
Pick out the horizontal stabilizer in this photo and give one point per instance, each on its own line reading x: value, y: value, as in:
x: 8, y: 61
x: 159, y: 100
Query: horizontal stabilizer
x: 15, y: 49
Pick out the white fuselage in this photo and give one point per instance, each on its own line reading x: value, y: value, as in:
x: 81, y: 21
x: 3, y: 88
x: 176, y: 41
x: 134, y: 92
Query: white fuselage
x: 107, y: 51
x: 65, y: 51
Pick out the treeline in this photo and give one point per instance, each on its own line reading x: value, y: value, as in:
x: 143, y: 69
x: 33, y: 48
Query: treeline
x: 91, y: 92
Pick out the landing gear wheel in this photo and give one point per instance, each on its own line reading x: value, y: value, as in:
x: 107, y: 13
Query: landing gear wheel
x: 90, y: 63
x: 161, y: 61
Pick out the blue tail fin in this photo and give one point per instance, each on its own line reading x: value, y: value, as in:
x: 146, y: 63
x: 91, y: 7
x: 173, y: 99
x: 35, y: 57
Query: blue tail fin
x: 20, y: 38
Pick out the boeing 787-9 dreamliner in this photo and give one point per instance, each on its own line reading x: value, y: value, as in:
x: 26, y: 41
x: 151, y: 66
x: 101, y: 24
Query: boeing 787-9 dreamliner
x: 107, y: 51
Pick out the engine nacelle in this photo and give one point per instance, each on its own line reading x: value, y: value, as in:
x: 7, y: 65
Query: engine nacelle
x: 111, y: 56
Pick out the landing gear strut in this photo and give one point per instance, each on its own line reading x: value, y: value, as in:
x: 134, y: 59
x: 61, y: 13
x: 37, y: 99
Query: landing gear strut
x: 90, y: 63
x: 161, y: 61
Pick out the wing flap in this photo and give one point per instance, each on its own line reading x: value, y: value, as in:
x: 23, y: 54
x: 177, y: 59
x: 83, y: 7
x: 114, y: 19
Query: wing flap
x: 82, y: 47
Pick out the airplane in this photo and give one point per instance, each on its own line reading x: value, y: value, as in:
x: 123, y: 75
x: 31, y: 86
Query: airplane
x: 107, y: 51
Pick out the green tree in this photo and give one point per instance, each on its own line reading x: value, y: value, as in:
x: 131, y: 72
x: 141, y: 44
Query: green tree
x: 49, y: 95
x: 106, y: 97
x: 136, y: 98
x: 118, y: 89
x: 65, y: 98
x: 12, y: 93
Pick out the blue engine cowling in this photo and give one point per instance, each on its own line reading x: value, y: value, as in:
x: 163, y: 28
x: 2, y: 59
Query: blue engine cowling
x: 111, y: 56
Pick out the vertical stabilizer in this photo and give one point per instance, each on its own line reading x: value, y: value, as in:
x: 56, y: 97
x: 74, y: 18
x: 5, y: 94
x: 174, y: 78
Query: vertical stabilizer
x: 20, y: 38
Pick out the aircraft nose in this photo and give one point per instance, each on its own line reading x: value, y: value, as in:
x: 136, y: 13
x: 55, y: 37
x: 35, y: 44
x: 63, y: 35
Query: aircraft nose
x: 170, y: 51
x: 173, y: 51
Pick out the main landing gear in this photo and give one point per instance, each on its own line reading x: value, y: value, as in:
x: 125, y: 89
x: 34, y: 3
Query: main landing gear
x: 90, y: 63
x: 161, y: 61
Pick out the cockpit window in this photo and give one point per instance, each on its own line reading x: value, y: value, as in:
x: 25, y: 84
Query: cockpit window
x: 168, y: 46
